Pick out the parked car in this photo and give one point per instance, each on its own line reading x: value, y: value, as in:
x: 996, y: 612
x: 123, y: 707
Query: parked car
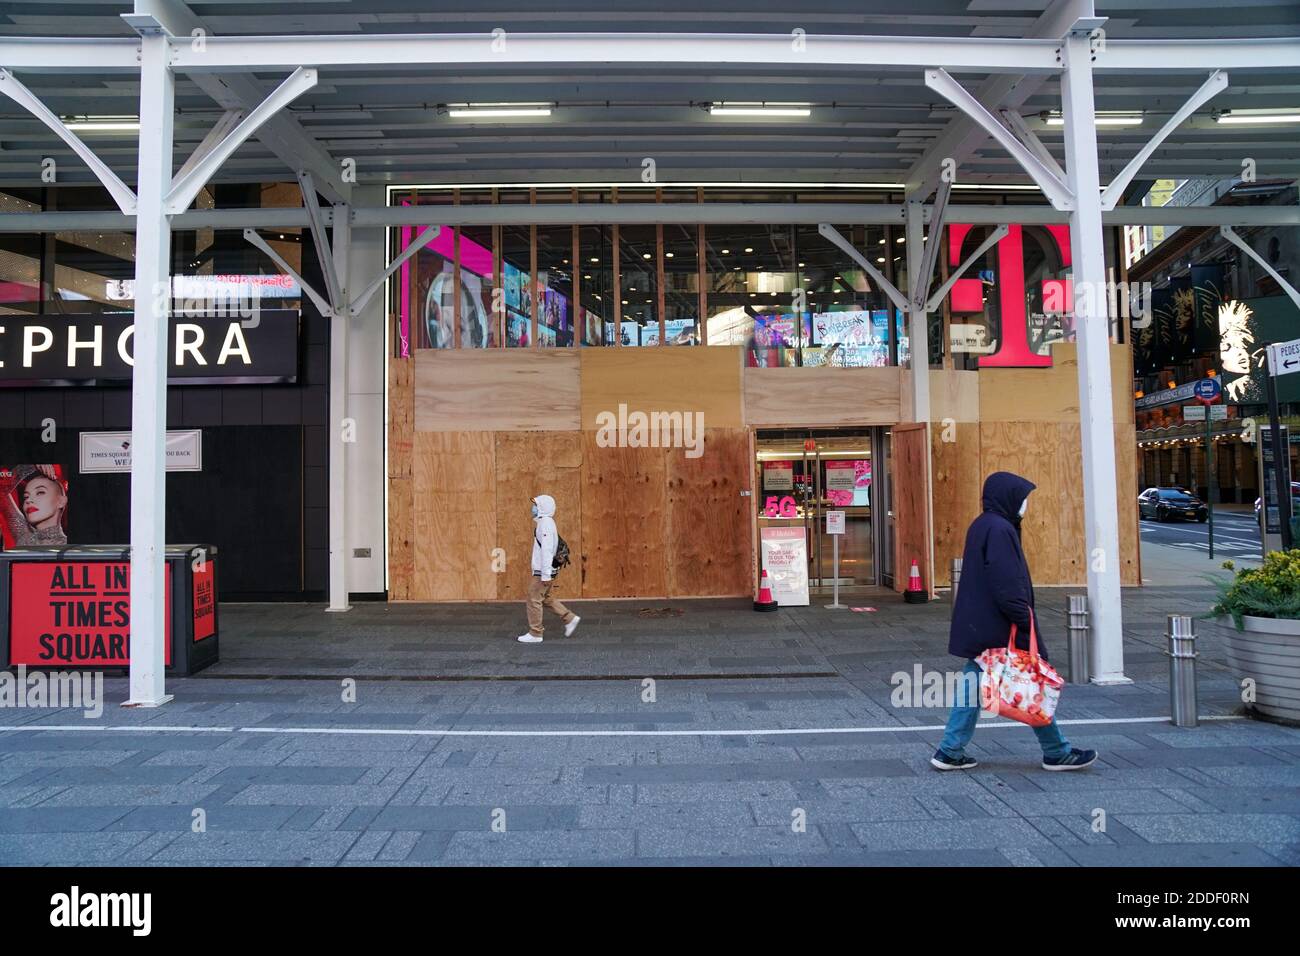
x: 1166, y: 504
x: 1295, y: 501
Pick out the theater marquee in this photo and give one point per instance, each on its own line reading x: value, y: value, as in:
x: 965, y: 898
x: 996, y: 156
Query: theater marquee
x: 53, y: 350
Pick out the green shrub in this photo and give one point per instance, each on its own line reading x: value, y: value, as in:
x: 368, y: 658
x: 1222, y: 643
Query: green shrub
x: 1272, y: 590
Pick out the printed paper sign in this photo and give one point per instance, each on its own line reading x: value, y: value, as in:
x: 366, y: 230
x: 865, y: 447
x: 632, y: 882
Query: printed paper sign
x: 778, y: 475
x: 111, y: 451
x: 835, y: 522
x: 785, y: 557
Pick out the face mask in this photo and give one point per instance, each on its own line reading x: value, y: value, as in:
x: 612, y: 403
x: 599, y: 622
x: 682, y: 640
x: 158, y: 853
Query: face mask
x: 534, y: 511
x: 1024, y: 505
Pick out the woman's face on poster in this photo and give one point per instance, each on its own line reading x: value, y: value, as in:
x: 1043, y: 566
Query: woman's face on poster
x: 43, y: 502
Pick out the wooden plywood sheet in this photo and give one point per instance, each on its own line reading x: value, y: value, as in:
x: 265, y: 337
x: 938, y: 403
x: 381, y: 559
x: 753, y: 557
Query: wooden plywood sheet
x: 792, y: 397
x: 1033, y: 450
x: 1050, y: 394
x: 709, y: 534
x: 958, y: 483
x: 1068, y: 502
x: 955, y: 395
x: 624, y: 520
x: 1130, y: 569
x: 703, y: 379
x: 454, y: 502
x: 401, y: 534
x: 465, y: 390
x: 530, y: 464
x: 401, y: 416
x: 910, y: 506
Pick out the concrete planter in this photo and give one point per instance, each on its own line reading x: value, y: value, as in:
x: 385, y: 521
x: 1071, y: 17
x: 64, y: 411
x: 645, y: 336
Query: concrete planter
x: 1267, y: 650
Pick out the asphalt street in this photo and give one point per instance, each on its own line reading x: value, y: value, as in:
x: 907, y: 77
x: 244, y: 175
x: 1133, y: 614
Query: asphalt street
x: 1235, y: 535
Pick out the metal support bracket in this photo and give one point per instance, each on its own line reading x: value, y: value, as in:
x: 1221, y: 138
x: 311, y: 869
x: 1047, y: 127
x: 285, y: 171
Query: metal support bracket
x: 324, y: 253
x: 1017, y: 124
x: 122, y: 194
x: 996, y: 236
x: 1231, y: 235
x: 930, y: 257
x: 423, y: 239
x: 833, y: 234
x: 228, y: 121
x: 1110, y: 196
x: 1057, y: 192
x: 324, y: 307
x: 186, y: 187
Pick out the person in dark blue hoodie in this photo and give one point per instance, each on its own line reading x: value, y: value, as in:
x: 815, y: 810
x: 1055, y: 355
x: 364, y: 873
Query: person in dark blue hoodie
x: 995, y: 593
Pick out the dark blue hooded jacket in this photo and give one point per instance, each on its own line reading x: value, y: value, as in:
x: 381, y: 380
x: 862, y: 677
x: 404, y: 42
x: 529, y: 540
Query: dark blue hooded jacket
x: 995, y: 591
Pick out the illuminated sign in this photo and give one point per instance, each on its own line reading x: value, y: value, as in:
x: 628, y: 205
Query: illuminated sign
x: 97, y: 349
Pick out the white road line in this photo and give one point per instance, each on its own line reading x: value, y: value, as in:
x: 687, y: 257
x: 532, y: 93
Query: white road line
x: 422, y: 732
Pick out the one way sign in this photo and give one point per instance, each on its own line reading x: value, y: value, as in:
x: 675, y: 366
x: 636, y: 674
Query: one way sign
x: 1284, y: 357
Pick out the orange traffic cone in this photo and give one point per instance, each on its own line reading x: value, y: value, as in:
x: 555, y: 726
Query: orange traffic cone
x: 764, y: 600
x: 915, y: 593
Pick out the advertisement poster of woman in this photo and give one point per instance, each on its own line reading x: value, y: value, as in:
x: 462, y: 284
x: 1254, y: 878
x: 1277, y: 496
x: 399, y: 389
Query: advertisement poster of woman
x: 33, y: 505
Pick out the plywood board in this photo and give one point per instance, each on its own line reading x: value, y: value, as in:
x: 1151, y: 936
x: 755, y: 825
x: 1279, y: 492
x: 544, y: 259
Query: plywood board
x: 1032, y: 450
x: 1068, y: 502
x: 955, y: 395
x: 624, y: 520
x: 910, y: 506
x: 793, y: 397
x: 454, y: 494
x: 1130, y: 569
x: 488, y: 390
x: 709, y: 537
x: 1050, y: 394
x: 530, y: 464
x: 702, y: 379
x: 957, y: 486
x: 401, y: 416
x: 401, y: 534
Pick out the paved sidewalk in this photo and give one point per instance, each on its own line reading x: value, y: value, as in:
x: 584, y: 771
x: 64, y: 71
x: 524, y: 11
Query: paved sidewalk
x: 763, y: 739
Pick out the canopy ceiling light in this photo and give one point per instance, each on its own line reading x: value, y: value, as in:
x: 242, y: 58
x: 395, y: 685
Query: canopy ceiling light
x: 760, y: 109
x: 1250, y: 117
x: 1120, y: 118
x: 497, y: 110
x: 102, y: 124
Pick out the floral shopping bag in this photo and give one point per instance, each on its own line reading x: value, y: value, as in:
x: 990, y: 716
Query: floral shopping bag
x: 1019, y: 684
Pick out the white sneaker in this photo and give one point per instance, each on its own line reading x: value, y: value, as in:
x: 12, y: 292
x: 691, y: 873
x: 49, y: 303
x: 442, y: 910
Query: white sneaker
x: 529, y: 638
x: 571, y: 626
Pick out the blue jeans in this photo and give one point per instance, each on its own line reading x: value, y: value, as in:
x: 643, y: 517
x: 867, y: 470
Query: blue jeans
x: 966, y: 714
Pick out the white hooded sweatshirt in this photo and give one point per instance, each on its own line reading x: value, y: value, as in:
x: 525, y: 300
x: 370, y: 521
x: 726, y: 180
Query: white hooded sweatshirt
x: 545, y: 537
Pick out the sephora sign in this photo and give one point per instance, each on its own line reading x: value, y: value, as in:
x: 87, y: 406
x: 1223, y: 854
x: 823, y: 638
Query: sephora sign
x: 54, y: 350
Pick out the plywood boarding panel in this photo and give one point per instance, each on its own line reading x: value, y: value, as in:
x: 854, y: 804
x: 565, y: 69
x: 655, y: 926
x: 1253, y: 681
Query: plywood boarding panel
x: 910, y: 532
x: 496, y: 390
x: 791, y: 397
x: 958, y: 483
x: 954, y: 394
x: 701, y: 379
x: 1032, y: 449
x: 454, y: 494
x: 708, y: 546
x: 401, y: 534
x: 624, y: 520
x: 401, y: 416
x: 1050, y: 394
x: 530, y: 464
x: 1130, y: 569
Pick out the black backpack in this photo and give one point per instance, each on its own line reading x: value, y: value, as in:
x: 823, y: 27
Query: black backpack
x: 561, y: 559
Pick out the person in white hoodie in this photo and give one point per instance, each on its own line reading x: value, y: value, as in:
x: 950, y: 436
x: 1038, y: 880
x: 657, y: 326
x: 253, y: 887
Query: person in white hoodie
x: 545, y: 540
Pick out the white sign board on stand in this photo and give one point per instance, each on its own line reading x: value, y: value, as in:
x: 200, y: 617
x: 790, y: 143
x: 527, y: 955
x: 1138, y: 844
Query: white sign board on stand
x: 835, y: 522
x: 785, y: 557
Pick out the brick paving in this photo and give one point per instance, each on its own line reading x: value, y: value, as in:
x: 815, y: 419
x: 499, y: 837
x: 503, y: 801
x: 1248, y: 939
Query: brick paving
x: 465, y: 747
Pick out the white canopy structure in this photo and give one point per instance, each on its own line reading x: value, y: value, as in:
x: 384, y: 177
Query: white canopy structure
x: 1074, y: 97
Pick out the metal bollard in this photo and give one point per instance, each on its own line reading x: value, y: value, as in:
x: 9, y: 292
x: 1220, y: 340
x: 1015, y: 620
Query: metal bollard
x: 1181, y: 635
x: 955, y: 574
x: 1077, y: 639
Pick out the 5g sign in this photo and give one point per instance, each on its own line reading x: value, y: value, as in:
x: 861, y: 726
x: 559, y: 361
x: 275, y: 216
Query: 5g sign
x: 783, y: 507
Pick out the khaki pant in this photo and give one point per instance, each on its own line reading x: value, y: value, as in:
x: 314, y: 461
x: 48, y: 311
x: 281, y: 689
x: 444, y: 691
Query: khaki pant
x: 539, y: 596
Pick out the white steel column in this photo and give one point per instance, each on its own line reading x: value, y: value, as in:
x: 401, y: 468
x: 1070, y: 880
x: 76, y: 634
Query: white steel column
x: 1092, y: 334
x: 341, y: 241
x: 149, y: 378
x: 918, y: 341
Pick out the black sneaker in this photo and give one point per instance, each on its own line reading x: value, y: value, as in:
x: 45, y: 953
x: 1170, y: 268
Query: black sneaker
x: 941, y: 761
x: 1076, y: 759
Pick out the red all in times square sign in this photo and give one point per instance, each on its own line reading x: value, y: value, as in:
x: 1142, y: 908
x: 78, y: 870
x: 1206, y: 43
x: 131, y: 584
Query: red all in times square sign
x: 75, y: 613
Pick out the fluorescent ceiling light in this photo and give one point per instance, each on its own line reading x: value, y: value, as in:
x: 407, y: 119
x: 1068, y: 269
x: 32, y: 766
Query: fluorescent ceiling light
x: 1246, y: 117
x: 1102, y: 119
x: 495, y: 110
x: 103, y: 124
x: 760, y: 109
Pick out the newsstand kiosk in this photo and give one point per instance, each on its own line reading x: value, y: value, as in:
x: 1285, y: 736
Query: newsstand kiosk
x: 69, y: 608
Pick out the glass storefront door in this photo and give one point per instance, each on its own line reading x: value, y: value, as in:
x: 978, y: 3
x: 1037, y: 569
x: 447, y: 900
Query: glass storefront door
x: 804, y: 473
